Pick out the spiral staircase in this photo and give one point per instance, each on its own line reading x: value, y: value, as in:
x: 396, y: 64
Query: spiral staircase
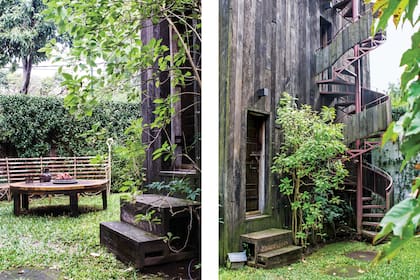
x: 365, y: 113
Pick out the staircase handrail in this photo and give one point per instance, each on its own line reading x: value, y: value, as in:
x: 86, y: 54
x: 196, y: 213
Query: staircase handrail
x: 387, y: 192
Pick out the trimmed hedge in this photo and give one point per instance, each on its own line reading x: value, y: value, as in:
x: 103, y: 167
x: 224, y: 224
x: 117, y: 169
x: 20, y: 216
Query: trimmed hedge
x: 40, y: 126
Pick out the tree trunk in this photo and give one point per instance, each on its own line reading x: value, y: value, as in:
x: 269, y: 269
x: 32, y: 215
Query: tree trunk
x: 27, y: 69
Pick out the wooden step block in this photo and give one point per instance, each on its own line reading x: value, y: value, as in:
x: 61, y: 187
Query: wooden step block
x: 173, y: 214
x: 136, y: 247
x: 278, y: 257
x: 131, y: 244
x: 267, y: 240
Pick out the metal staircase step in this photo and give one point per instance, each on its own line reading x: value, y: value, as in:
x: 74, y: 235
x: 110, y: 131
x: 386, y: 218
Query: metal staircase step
x: 373, y: 206
x: 370, y: 224
x: 348, y: 72
x: 278, y: 257
x: 369, y: 234
x: 367, y: 198
x: 373, y: 215
x: 336, y: 93
x: 335, y: 82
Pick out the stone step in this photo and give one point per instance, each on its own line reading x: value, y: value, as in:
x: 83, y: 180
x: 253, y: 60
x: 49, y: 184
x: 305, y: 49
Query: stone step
x: 279, y: 257
x: 267, y: 240
x: 137, y: 247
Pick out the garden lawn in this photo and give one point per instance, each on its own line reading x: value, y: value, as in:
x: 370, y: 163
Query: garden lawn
x: 405, y: 266
x: 67, y: 244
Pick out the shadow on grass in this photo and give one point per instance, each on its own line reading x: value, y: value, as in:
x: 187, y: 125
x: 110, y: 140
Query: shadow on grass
x: 59, y: 210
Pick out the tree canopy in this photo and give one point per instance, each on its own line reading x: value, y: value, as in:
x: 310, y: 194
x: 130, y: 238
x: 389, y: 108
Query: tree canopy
x: 23, y: 31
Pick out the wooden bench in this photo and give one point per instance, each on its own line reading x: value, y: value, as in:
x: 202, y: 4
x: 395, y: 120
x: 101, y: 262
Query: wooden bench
x: 14, y: 170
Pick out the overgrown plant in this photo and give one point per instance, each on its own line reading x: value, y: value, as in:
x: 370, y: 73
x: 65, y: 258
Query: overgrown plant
x: 309, y: 165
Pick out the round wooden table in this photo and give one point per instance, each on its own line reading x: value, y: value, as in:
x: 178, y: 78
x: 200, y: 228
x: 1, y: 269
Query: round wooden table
x: 22, y: 190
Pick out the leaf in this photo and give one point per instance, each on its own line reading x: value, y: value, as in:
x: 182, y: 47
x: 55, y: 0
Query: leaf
x: 389, y: 134
x: 398, y: 12
x: 398, y: 218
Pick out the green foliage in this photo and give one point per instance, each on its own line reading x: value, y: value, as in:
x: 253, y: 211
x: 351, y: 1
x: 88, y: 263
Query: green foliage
x: 404, y: 219
x: 33, y: 126
x: 179, y: 187
x: 130, y: 156
x: 23, y: 31
x: 109, y: 32
x: 309, y: 165
x: 108, y: 56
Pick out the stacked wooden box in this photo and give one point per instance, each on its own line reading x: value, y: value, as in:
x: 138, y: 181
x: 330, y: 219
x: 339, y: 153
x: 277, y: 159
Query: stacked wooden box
x: 145, y: 242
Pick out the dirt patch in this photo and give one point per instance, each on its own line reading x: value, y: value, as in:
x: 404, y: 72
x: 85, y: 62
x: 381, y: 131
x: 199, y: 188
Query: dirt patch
x: 30, y: 274
x: 345, y: 271
x: 362, y: 255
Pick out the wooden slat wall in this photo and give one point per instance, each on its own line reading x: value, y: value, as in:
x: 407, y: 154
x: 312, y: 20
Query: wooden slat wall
x: 263, y: 44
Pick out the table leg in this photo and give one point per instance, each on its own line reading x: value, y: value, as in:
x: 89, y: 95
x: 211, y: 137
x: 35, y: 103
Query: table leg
x: 104, y: 200
x: 16, y: 203
x: 25, y: 201
x: 74, y: 208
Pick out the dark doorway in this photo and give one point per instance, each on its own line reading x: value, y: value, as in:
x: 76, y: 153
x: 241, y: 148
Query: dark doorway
x: 255, y: 163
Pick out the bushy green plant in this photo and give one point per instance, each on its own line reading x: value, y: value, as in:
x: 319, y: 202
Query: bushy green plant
x: 308, y: 164
x: 34, y: 126
x: 131, y: 155
x: 180, y: 187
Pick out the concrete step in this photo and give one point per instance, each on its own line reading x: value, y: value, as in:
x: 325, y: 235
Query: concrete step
x: 137, y: 247
x: 267, y: 240
x: 279, y: 257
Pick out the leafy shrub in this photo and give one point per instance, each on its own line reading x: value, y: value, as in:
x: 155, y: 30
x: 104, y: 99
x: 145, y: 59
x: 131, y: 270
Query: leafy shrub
x: 178, y: 187
x: 41, y: 126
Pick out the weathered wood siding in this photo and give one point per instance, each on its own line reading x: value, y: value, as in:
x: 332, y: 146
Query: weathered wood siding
x: 367, y: 123
x: 263, y: 44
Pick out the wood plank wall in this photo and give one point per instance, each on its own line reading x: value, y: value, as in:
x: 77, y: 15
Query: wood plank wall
x: 263, y: 44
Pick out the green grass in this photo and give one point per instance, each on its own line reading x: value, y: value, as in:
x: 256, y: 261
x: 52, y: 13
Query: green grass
x: 68, y: 244
x: 406, y: 266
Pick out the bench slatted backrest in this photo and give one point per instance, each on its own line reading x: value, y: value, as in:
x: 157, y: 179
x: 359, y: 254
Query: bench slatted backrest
x: 78, y: 167
x: 4, y: 178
